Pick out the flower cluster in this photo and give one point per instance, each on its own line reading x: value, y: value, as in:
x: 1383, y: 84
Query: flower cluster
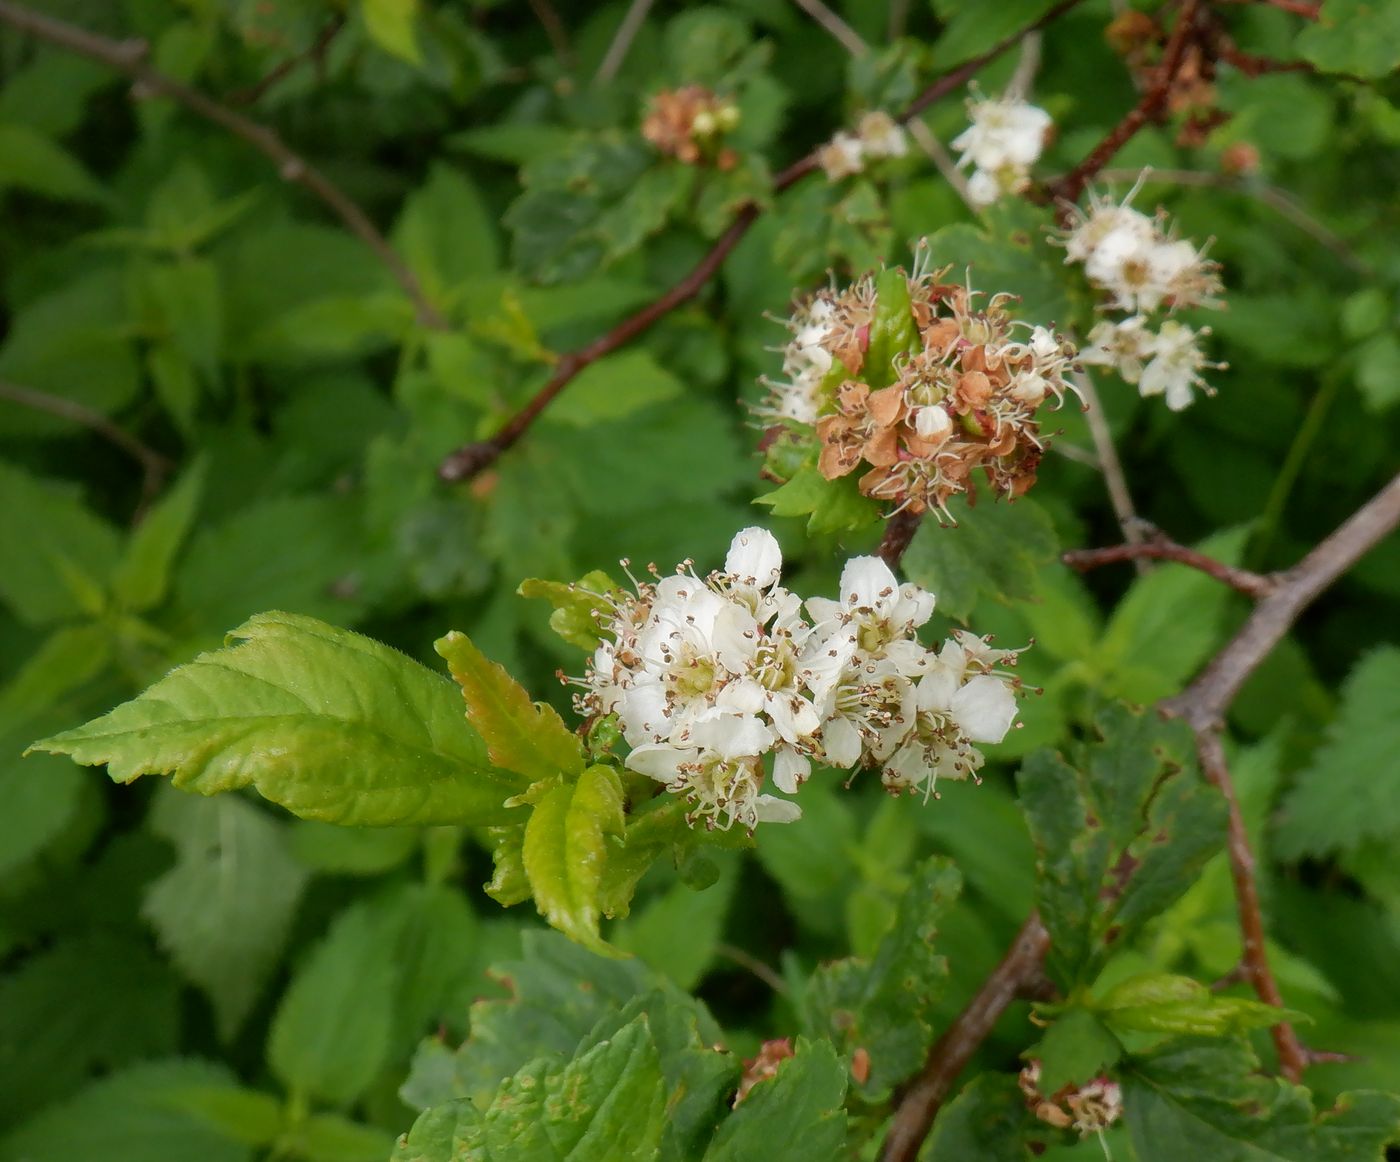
x: 689, y: 124
x: 1089, y: 1109
x: 1005, y: 139
x: 1141, y: 268
x: 959, y: 392
x: 708, y: 677
x: 877, y: 135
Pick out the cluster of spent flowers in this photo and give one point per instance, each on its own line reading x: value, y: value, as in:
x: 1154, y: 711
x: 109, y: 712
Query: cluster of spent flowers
x: 689, y: 124
x: 709, y: 676
x: 1005, y: 139
x: 1089, y: 1108
x: 960, y: 393
x: 1141, y: 268
x: 877, y: 135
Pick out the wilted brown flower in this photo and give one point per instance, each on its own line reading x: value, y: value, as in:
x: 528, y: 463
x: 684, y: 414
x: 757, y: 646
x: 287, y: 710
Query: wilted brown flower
x: 690, y: 123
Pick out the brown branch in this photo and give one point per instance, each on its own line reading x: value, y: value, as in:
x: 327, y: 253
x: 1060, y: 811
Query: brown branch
x: 919, y: 1104
x: 1211, y: 752
x: 899, y: 532
x: 1150, y: 107
x: 315, y: 52
x: 1305, y: 8
x: 555, y: 32
x: 130, y: 57
x: 154, y: 467
x: 1250, y: 584
x: 1202, y: 705
x: 472, y: 459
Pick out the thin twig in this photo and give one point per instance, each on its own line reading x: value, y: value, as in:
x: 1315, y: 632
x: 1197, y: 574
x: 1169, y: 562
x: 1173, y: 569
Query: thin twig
x: 1109, y: 464
x: 622, y: 41
x: 555, y: 31
x: 130, y: 58
x: 154, y: 467
x: 1305, y: 8
x: 1272, y: 196
x: 1023, y: 79
x: 1150, y: 107
x: 755, y: 966
x: 1211, y: 752
x: 841, y: 32
x: 899, y: 532
x: 472, y: 459
x: 1203, y: 706
x: 316, y: 52
x: 919, y: 1104
x: 1254, y: 585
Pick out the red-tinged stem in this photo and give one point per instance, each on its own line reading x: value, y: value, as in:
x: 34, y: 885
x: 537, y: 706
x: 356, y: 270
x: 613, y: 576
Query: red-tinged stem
x: 1250, y: 584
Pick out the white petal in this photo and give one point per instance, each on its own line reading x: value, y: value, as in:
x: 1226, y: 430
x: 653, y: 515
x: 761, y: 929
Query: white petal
x: 731, y: 735
x: 841, y: 742
x: 985, y: 708
x: 771, y: 809
x: 790, y: 770
x: 754, y: 557
x: 867, y: 582
x: 658, y: 761
x: 742, y: 696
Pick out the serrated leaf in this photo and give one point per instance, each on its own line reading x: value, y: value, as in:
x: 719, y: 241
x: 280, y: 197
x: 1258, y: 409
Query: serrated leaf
x: 327, y: 723
x: 1120, y: 834
x: 579, y: 609
x: 128, y: 1117
x: 1348, y: 794
x: 884, y: 1005
x: 1163, y: 1002
x: 67, y: 550
x: 1205, y: 1099
x: 566, y: 850
x: 522, y: 736
x: 613, y: 387
x: 994, y: 550
x: 795, y: 1116
x: 607, y: 1104
x: 1361, y: 37
x: 831, y: 506
x: 1076, y: 1049
x: 223, y: 911
x: 333, y: 1030
x: 142, y: 577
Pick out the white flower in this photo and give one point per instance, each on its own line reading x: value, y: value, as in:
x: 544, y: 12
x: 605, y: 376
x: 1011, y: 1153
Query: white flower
x: 842, y: 156
x: 721, y: 791
x: 1005, y: 132
x: 877, y: 614
x: 1125, y: 346
x: 881, y: 135
x: 1177, y: 362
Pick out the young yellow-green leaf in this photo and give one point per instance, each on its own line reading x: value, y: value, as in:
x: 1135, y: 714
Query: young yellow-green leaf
x: 566, y: 852
x: 892, y: 330
x: 391, y: 24
x: 1162, y: 1002
x: 328, y: 723
x: 522, y: 736
x: 1075, y: 1049
x: 578, y: 608
x: 143, y: 575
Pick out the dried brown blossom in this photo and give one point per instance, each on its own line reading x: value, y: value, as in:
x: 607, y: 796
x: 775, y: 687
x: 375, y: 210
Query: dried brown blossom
x: 689, y: 124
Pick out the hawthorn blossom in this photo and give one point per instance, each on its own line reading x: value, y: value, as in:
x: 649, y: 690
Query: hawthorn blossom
x: 1003, y: 141
x: 1168, y: 363
x: 1088, y: 1109
x: 720, y: 683
x: 877, y: 135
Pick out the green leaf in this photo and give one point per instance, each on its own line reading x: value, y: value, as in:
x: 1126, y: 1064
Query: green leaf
x: 1162, y: 1002
x: 331, y: 725
x: 1167, y: 625
x: 566, y: 850
x: 1076, y: 1049
x: 1378, y: 371
x: 240, y: 1115
x: 223, y: 911
x: 1343, y: 797
x: 795, y: 1116
x: 526, y: 737
x: 446, y: 233
x: 676, y: 933
x: 971, y: 28
x: 893, y: 333
x: 988, y: 1119
x: 65, y: 661
x: 66, y: 553
x: 392, y: 25
x: 31, y: 161
x: 88, y: 1004
x: 1205, y: 1099
x: 832, y: 506
x: 143, y: 575
x: 579, y: 608
x: 613, y: 387
x: 884, y: 1005
x: 334, y: 1028
x: 131, y: 1116
x: 1361, y: 37
x: 356, y: 851
x: 332, y: 1138
x: 994, y: 550
x: 608, y: 1103
x: 1120, y: 833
